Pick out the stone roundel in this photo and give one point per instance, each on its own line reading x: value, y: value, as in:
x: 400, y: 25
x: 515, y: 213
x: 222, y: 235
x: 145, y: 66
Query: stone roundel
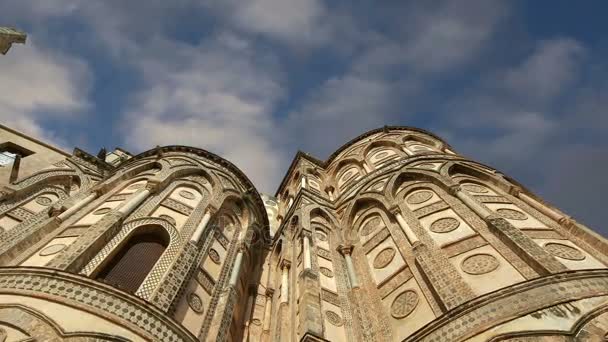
x: 479, y: 264
x: 445, y: 225
x: 419, y: 197
x: 404, y: 304
x: 511, y: 214
x: 334, y: 318
x: 136, y: 186
x: 384, y: 258
x: 326, y: 272
x: 370, y: 225
x: 195, y: 302
x: 102, y: 211
x: 380, y: 155
x: 43, y: 200
x: 564, y: 251
x: 169, y: 219
x: 187, y: 194
x: 475, y: 188
x: 321, y: 236
x: 52, y: 249
x: 214, y: 256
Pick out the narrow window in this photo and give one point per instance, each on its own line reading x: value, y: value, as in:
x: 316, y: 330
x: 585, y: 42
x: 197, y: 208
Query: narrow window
x: 130, y: 266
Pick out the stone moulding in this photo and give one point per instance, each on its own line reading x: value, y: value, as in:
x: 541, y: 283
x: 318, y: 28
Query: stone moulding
x: 494, y: 308
x: 99, y: 299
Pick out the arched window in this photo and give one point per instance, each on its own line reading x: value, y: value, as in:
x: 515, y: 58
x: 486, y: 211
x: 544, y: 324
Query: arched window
x: 135, y: 259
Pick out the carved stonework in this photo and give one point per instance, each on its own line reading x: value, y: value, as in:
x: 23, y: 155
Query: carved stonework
x: 214, y: 256
x: 187, y: 194
x: 102, y: 211
x: 370, y: 225
x: 445, y: 225
x: 475, y: 188
x: 168, y: 218
x: 419, y: 197
x: 43, y: 200
x: 564, y: 251
x: 334, y: 318
x: 511, y: 214
x: 195, y: 302
x: 52, y: 249
x: 384, y: 258
x: 326, y: 272
x: 404, y: 304
x: 480, y: 264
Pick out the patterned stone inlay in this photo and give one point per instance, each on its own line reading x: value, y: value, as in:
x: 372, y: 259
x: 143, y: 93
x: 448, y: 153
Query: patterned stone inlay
x: 334, y: 318
x: 214, y: 256
x: 404, y: 304
x: 136, y: 186
x: 475, y: 188
x: 52, y: 249
x: 381, y: 155
x: 43, y: 200
x: 384, y: 258
x: 321, y: 236
x: 326, y: 272
x: 169, y: 219
x: 511, y: 214
x: 370, y: 226
x: 419, y: 197
x: 187, y: 194
x: 102, y: 211
x: 564, y: 251
x: 195, y: 302
x: 444, y: 225
x: 480, y: 264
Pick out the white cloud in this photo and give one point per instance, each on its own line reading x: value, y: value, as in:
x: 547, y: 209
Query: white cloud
x: 39, y: 84
x: 220, y: 96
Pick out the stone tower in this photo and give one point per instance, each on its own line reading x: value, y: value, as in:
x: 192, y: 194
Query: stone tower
x: 395, y: 237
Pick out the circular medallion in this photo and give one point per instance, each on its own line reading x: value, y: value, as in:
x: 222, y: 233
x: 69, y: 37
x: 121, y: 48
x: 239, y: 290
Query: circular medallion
x: 370, y: 226
x: 214, y: 256
x: 333, y: 318
x: 419, y: 148
x: 102, y: 211
x: 419, y: 197
x: 43, y: 200
x: 52, y: 249
x: 195, y: 302
x: 564, y: 251
x: 427, y: 166
x: 187, y: 194
x: 348, y: 175
x: 256, y: 321
x: 444, y: 225
x: 381, y: 155
x: 136, y: 186
x: 475, y: 188
x: 321, y: 236
x: 326, y: 272
x: 404, y: 304
x: 169, y: 219
x: 511, y: 214
x: 384, y: 258
x: 479, y: 264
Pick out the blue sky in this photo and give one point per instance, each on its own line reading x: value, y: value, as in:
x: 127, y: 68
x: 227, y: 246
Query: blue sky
x: 519, y: 85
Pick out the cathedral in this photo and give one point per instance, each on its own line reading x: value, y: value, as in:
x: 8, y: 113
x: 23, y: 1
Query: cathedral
x: 395, y: 237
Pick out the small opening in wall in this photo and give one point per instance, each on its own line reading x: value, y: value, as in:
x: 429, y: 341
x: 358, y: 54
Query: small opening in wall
x: 9, y: 152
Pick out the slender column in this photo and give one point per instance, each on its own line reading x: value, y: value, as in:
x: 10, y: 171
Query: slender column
x: 77, y: 206
x: 471, y: 203
x: 303, y: 182
x: 367, y: 168
x: 331, y: 195
x: 307, y: 255
x: 267, y: 309
x: 289, y: 203
x: 409, y: 233
x: 248, y: 312
x: 285, y: 265
x: 346, y: 251
x: 407, y: 151
x: 135, y: 201
x: 196, y: 236
x: 236, y: 269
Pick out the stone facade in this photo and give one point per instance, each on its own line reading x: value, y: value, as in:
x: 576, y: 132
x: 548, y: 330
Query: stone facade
x: 394, y: 238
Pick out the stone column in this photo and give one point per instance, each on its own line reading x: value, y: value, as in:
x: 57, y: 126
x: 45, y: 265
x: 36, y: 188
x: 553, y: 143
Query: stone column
x: 196, y: 236
x: 267, y: 313
x: 409, y: 233
x: 307, y: 254
x: 284, y: 314
x: 303, y: 182
x: 236, y: 268
x: 541, y: 261
x: 330, y: 192
x: 248, y: 311
x: 346, y: 251
x: 285, y: 266
x: 76, y: 207
x: 367, y: 167
x: 309, y: 301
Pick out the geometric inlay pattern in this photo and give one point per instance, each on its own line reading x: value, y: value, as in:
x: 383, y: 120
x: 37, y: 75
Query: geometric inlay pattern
x: 564, y: 251
x: 475, y: 188
x: 195, y: 302
x: 334, y: 318
x: 404, y: 304
x: 419, y: 197
x: 384, y: 258
x: 214, y: 256
x: 370, y: 226
x: 326, y: 272
x: 321, y: 236
x: 479, y: 264
x: 511, y: 214
x: 187, y: 194
x: 52, y: 249
x: 444, y: 225
x: 43, y: 200
x: 168, y: 218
